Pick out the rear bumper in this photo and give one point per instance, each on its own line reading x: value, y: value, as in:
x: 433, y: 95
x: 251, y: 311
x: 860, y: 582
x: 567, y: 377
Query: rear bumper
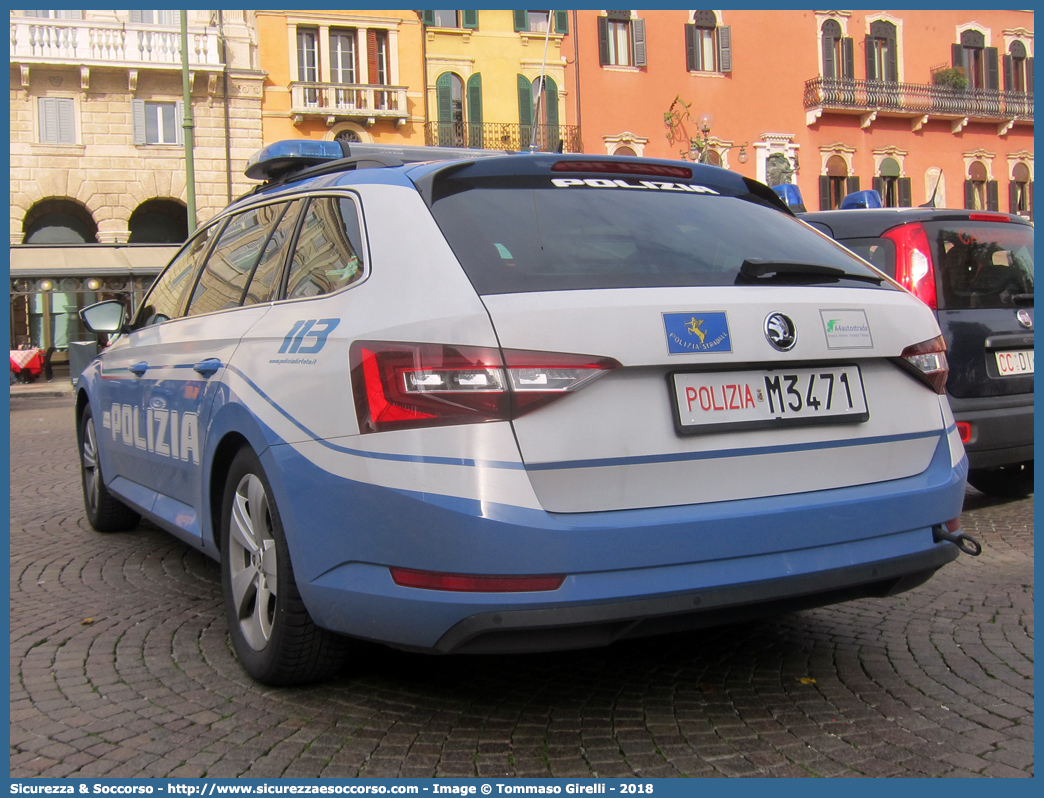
x: 627, y: 572
x: 1001, y: 429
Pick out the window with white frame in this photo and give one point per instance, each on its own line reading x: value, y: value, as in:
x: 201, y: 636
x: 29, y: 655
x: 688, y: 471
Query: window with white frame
x: 57, y: 120
x: 708, y: 45
x: 621, y: 39
x: 157, y: 122
x: 59, y: 14
x: 342, y: 56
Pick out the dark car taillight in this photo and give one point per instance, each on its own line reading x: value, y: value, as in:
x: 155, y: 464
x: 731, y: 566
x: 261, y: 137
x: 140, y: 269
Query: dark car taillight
x: 914, y: 269
x: 409, y: 385
x: 927, y: 361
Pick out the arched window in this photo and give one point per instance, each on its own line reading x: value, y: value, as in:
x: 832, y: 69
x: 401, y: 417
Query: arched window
x: 895, y: 190
x: 1020, y: 191
x: 708, y: 46
x: 1018, y: 74
x: 835, y: 184
x: 882, y: 55
x: 838, y: 53
x: 624, y: 151
x: 980, y: 193
x: 449, y: 89
x: 348, y: 135
x: 978, y: 61
x: 59, y: 221
x: 158, y: 221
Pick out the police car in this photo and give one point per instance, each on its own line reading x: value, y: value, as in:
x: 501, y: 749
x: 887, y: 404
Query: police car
x: 467, y: 402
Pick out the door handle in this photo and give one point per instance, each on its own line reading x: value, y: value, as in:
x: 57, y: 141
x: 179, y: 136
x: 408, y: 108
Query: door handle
x: 207, y: 367
x: 139, y: 368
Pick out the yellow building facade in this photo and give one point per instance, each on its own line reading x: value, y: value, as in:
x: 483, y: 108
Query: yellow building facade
x: 483, y: 72
x: 352, y: 75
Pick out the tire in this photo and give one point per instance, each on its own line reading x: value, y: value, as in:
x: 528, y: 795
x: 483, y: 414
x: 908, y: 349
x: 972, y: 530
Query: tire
x: 1011, y: 481
x: 273, y: 635
x: 105, y: 512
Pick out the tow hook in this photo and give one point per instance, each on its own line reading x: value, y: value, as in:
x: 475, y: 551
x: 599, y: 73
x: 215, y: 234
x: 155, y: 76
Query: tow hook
x: 965, y: 543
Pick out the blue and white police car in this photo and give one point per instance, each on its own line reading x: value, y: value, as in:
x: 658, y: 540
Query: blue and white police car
x: 456, y: 401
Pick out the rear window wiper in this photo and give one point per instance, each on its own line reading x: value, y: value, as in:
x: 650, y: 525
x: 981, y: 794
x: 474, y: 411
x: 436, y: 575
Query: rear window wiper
x: 756, y: 270
x: 1023, y: 299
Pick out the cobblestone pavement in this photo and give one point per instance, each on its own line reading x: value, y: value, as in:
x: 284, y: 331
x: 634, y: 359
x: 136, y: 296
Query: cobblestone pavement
x: 120, y: 666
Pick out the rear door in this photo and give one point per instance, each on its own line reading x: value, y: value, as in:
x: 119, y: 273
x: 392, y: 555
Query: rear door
x: 984, y: 279
x: 652, y: 278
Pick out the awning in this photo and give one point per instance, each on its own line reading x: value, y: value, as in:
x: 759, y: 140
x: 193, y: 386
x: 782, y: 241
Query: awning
x: 90, y: 260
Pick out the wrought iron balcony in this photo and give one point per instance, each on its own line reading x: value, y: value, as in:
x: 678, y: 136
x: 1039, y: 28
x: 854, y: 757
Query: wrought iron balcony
x: 922, y: 102
x: 372, y: 101
x: 88, y: 43
x: 502, y: 136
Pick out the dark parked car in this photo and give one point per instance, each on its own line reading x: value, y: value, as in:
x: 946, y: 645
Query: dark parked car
x: 975, y: 270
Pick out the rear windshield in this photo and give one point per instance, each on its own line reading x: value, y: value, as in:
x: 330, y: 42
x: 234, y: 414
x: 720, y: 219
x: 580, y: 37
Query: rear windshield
x: 982, y: 264
x: 540, y: 237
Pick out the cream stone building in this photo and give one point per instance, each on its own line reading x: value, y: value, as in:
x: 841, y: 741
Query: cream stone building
x: 98, y: 181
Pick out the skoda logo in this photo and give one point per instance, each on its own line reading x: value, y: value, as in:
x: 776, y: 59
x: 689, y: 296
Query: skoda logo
x: 1025, y: 319
x: 779, y: 330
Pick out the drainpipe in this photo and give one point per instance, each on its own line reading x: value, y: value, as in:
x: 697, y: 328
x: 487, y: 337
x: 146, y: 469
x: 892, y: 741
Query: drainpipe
x: 576, y: 74
x: 187, y: 126
x: 228, y: 126
x: 424, y: 72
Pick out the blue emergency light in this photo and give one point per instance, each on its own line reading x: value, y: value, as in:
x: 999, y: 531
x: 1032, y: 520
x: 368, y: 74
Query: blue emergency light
x: 286, y: 156
x: 868, y: 198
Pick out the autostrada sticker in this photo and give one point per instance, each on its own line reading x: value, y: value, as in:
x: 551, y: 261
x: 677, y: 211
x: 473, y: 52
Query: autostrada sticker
x: 648, y: 185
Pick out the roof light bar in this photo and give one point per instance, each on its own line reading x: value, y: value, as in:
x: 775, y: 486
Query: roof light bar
x: 287, y: 156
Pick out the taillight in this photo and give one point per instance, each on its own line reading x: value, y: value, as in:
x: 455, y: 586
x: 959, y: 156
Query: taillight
x: 964, y: 430
x: 988, y: 217
x: 913, y: 261
x: 469, y: 583
x: 927, y: 361
x: 407, y: 385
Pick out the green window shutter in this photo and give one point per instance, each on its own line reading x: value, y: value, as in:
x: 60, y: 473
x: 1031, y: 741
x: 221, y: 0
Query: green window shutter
x: 992, y: 198
x: 469, y: 18
x: 1009, y: 73
x: 475, y: 138
x: 561, y: 22
x: 1013, y: 197
x: 992, y: 76
x: 824, y: 193
x: 428, y: 17
x: 690, y: 47
x: 444, y: 97
x: 905, y: 193
x: 848, y: 56
x: 829, y: 67
x: 638, y: 41
x: 179, y: 118
x: 969, y: 194
x: 525, y: 102
x: 879, y: 186
x: 892, y: 66
x: 957, y: 55
x: 852, y: 184
x: 725, y: 48
x: 551, y: 103
x: 138, y: 120
x: 871, y: 66
x: 521, y: 20
x: 1029, y: 76
x: 135, y: 16
x: 603, y: 40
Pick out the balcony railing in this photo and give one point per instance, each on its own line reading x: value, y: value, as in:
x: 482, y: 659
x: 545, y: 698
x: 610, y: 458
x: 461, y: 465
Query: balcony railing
x: 91, y: 43
x: 348, y: 99
x: 916, y: 99
x: 502, y: 136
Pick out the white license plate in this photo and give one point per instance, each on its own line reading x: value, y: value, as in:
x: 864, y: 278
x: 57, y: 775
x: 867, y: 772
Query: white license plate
x: 1016, y: 362
x: 734, y: 400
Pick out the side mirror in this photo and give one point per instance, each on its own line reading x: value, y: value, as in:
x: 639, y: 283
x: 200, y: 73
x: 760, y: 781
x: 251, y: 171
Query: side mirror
x: 105, y: 317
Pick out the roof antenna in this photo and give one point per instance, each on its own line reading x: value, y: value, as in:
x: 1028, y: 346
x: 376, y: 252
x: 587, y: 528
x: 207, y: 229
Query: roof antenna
x: 931, y: 202
x: 540, y: 88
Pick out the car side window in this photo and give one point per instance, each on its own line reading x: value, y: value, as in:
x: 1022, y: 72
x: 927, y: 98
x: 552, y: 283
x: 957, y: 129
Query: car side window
x: 328, y: 254
x: 265, y: 280
x: 224, y: 278
x: 167, y: 295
